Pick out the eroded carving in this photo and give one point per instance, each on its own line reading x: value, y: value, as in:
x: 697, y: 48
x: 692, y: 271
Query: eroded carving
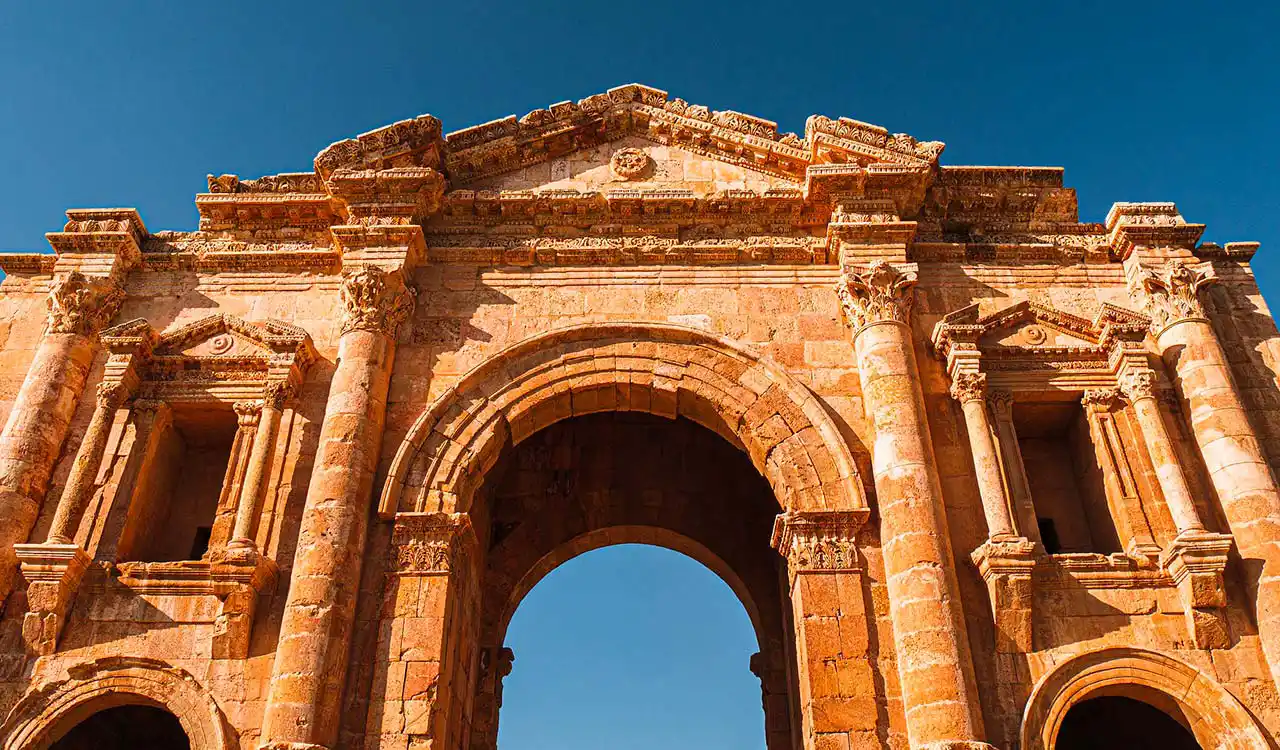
x: 83, y: 305
x: 375, y: 300
x: 882, y: 292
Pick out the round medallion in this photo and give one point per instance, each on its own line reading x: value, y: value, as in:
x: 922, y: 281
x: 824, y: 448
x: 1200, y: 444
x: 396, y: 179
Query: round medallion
x: 629, y: 163
x: 221, y: 344
x: 1035, y: 335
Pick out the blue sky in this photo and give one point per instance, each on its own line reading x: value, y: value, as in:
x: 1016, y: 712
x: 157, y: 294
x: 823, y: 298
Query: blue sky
x: 132, y: 103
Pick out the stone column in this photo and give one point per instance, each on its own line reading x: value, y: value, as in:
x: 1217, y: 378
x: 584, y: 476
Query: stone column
x: 970, y: 390
x: 836, y: 681
x: 1025, y: 518
x: 1237, y: 466
x: 255, y: 477
x: 80, y: 482
x: 311, y: 658
x: 1139, y: 387
x: 1005, y: 559
x: 247, y: 414
x: 938, y: 688
x: 79, y: 306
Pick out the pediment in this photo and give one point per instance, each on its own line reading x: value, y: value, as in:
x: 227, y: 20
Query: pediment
x: 573, y: 131
x: 1028, y: 326
x: 224, y: 335
x: 636, y: 163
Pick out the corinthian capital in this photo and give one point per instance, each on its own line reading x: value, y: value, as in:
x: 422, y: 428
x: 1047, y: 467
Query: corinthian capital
x: 1138, y: 385
x: 375, y: 300
x: 1173, y: 292
x: 83, y: 305
x: 969, y: 386
x: 882, y: 292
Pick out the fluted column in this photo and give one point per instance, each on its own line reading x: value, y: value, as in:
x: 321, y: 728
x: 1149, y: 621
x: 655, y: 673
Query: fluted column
x: 255, y: 477
x: 1233, y: 454
x: 311, y: 657
x: 938, y: 688
x: 79, y: 306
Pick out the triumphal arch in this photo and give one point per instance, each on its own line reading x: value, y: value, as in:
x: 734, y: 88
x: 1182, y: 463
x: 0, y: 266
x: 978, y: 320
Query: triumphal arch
x: 983, y: 475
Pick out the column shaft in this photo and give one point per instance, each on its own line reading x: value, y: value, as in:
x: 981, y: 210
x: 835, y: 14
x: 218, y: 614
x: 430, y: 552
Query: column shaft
x: 1155, y: 434
x: 311, y: 658
x: 970, y: 389
x: 80, y: 483
x: 928, y: 628
x: 1237, y: 466
x: 33, y: 437
x: 264, y: 443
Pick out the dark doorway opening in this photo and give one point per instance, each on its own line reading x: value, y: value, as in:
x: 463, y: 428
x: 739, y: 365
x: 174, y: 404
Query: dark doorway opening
x: 126, y: 728
x: 1117, y: 723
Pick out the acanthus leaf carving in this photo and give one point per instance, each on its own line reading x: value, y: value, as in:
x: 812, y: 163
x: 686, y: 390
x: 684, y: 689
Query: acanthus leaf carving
x: 882, y: 292
x: 968, y: 386
x: 1173, y: 292
x: 375, y: 300
x: 82, y: 304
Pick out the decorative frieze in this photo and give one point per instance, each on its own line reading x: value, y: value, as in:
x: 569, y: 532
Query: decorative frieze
x: 819, y: 540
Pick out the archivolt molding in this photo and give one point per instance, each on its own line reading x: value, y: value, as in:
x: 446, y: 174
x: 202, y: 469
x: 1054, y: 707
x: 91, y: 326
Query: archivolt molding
x: 89, y: 687
x: 667, y: 370
x: 1216, y: 717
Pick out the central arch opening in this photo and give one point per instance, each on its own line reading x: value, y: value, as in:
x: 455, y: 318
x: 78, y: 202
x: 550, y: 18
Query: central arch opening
x: 633, y: 646
x: 662, y: 527
x: 1117, y: 722
x: 125, y: 728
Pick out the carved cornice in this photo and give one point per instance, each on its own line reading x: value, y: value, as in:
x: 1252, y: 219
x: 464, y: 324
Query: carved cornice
x: 880, y: 293
x: 1172, y: 293
x: 101, y: 231
x: 82, y: 304
x: 1153, y: 225
x: 375, y: 300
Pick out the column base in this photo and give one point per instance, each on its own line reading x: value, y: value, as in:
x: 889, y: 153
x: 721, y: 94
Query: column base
x: 1196, y: 561
x: 1006, y: 565
x: 291, y: 746
x: 957, y: 745
x: 53, y: 573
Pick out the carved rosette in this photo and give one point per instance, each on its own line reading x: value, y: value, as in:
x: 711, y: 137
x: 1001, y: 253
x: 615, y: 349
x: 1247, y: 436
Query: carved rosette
x: 83, y: 305
x: 1173, y: 293
x: 629, y: 163
x: 880, y: 293
x: 375, y: 300
x: 969, y: 386
x: 431, y: 543
x: 1138, y: 385
x: 819, y: 540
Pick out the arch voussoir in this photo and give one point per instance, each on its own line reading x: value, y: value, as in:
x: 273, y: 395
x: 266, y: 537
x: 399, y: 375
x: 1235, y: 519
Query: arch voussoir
x: 665, y: 370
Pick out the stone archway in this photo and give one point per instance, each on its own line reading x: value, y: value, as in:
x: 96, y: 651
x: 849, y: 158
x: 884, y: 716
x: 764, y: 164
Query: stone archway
x: 1214, y: 716
x: 662, y: 369
x: 54, y: 707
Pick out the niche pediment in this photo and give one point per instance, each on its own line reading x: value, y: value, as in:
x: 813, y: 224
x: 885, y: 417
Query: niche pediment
x: 224, y: 335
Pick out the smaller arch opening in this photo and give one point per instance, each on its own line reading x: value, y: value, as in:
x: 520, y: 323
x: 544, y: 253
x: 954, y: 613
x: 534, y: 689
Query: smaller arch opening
x: 1122, y: 722
x: 126, y: 727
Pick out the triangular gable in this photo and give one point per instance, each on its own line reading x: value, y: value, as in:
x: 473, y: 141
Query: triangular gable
x: 1029, y: 324
x: 223, y: 334
x: 511, y: 143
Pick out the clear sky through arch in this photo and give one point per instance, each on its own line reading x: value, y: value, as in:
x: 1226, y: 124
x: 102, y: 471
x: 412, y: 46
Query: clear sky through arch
x: 631, y: 647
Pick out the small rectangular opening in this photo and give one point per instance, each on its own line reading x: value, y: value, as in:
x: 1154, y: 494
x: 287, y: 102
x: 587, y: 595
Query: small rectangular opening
x: 1065, y: 478
x: 180, y: 493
